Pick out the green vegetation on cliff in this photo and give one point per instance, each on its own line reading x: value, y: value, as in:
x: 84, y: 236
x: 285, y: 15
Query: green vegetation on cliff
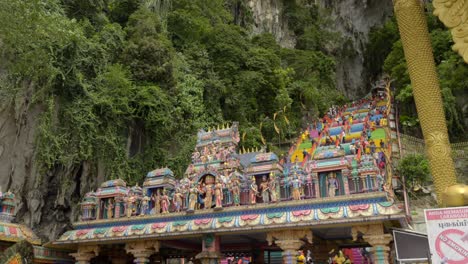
x: 385, y: 53
x: 126, y: 83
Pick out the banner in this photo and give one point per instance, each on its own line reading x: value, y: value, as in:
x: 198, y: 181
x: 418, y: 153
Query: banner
x: 447, y: 232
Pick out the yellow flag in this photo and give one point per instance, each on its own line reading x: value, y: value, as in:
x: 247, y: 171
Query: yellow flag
x: 276, y: 128
x: 274, y: 115
x: 284, y: 109
x: 263, y: 139
x: 243, y: 136
x: 286, y: 119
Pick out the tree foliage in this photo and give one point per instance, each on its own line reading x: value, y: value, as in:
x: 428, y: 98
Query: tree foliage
x: 127, y: 83
x: 385, y: 52
x: 415, y: 168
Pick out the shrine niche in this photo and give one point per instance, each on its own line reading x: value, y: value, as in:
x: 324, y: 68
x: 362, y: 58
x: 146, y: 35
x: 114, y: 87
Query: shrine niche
x: 331, y: 184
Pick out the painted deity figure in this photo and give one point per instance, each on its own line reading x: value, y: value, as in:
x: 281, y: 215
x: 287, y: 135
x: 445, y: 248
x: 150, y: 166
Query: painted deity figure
x: 144, y: 205
x: 226, y: 181
x: 208, y: 196
x: 165, y: 203
x: 110, y: 209
x: 265, y: 188
x: 201, y: 190
x: 332, y: 185
x: 157, y: 202
x: 272, y: 188
x: 296, y: 192
x: 193, y: 196
x: 130, y: 205
x: 218, y: 194
x: 253, y: 191
x: 177, y: 200
x: 236, y: 191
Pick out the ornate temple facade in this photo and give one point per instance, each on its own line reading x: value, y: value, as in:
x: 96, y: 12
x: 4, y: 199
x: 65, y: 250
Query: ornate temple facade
x: 331, y: 195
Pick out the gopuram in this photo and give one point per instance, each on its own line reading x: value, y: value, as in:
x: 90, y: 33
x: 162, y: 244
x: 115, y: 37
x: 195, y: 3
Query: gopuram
x: 330, y: 198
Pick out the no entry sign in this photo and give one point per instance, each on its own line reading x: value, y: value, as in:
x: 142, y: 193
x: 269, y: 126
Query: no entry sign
x: 447, y: 232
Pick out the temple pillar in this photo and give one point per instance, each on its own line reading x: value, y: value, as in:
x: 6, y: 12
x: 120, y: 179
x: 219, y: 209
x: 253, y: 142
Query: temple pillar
x: 290, y: 241
x: 85, y: 254
x: 345, y: 184
x: 416, y: 42
x: 210, y: 250
x: 380, y: 247
x: 374, y: 235
x: 142, y: 250
x: 316, y: 184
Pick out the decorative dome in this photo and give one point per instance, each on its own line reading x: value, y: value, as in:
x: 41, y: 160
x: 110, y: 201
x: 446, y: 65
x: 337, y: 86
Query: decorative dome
x: 264, y: 157
x: 114, y: 183
x: 160, y: 172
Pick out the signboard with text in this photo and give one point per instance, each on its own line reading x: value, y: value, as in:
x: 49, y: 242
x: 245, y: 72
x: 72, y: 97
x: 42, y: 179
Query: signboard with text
x: 447, y: 232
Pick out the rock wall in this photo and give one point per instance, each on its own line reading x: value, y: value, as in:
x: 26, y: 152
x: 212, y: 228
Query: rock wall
x: 352, y: 18
x: 47, y: 201
x: 268, y: 17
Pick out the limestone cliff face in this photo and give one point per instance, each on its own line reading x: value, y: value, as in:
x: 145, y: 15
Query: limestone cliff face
x: 47, y: 201
x: 352, y: 18
x: 268, y: 17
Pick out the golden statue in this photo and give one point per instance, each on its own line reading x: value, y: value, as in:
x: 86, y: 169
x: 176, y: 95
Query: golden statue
x: 454, y: 15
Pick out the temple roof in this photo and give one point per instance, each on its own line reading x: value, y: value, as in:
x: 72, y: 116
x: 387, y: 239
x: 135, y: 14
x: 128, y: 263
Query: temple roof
x: 332, y: 211
x: 15, y: 232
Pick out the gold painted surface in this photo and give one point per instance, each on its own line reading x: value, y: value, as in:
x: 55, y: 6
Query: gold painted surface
x: 454, y: 15
x: 419, y: 57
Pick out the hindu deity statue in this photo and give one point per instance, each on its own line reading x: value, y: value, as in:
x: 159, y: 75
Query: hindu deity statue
x: 218, y: 194
x: 110, y: 209
x: 201, y: 190
x: 130, y: 204
x: 157, y: 202
x: 332, y: 184
x: 226, y: 181
x: 235, y: 188
x: 193, y: 197
x: 208, y: 196
x: 177, y: 200
x: 272, y: 187
x: 165, y: 202
x: 253, y: 192
x: 144, y: 205
x: 296, y: 184
x: 265, y: 188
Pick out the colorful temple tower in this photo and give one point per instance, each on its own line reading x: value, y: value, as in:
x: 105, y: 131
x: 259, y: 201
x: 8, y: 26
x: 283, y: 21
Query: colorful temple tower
x: 333, y: 194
